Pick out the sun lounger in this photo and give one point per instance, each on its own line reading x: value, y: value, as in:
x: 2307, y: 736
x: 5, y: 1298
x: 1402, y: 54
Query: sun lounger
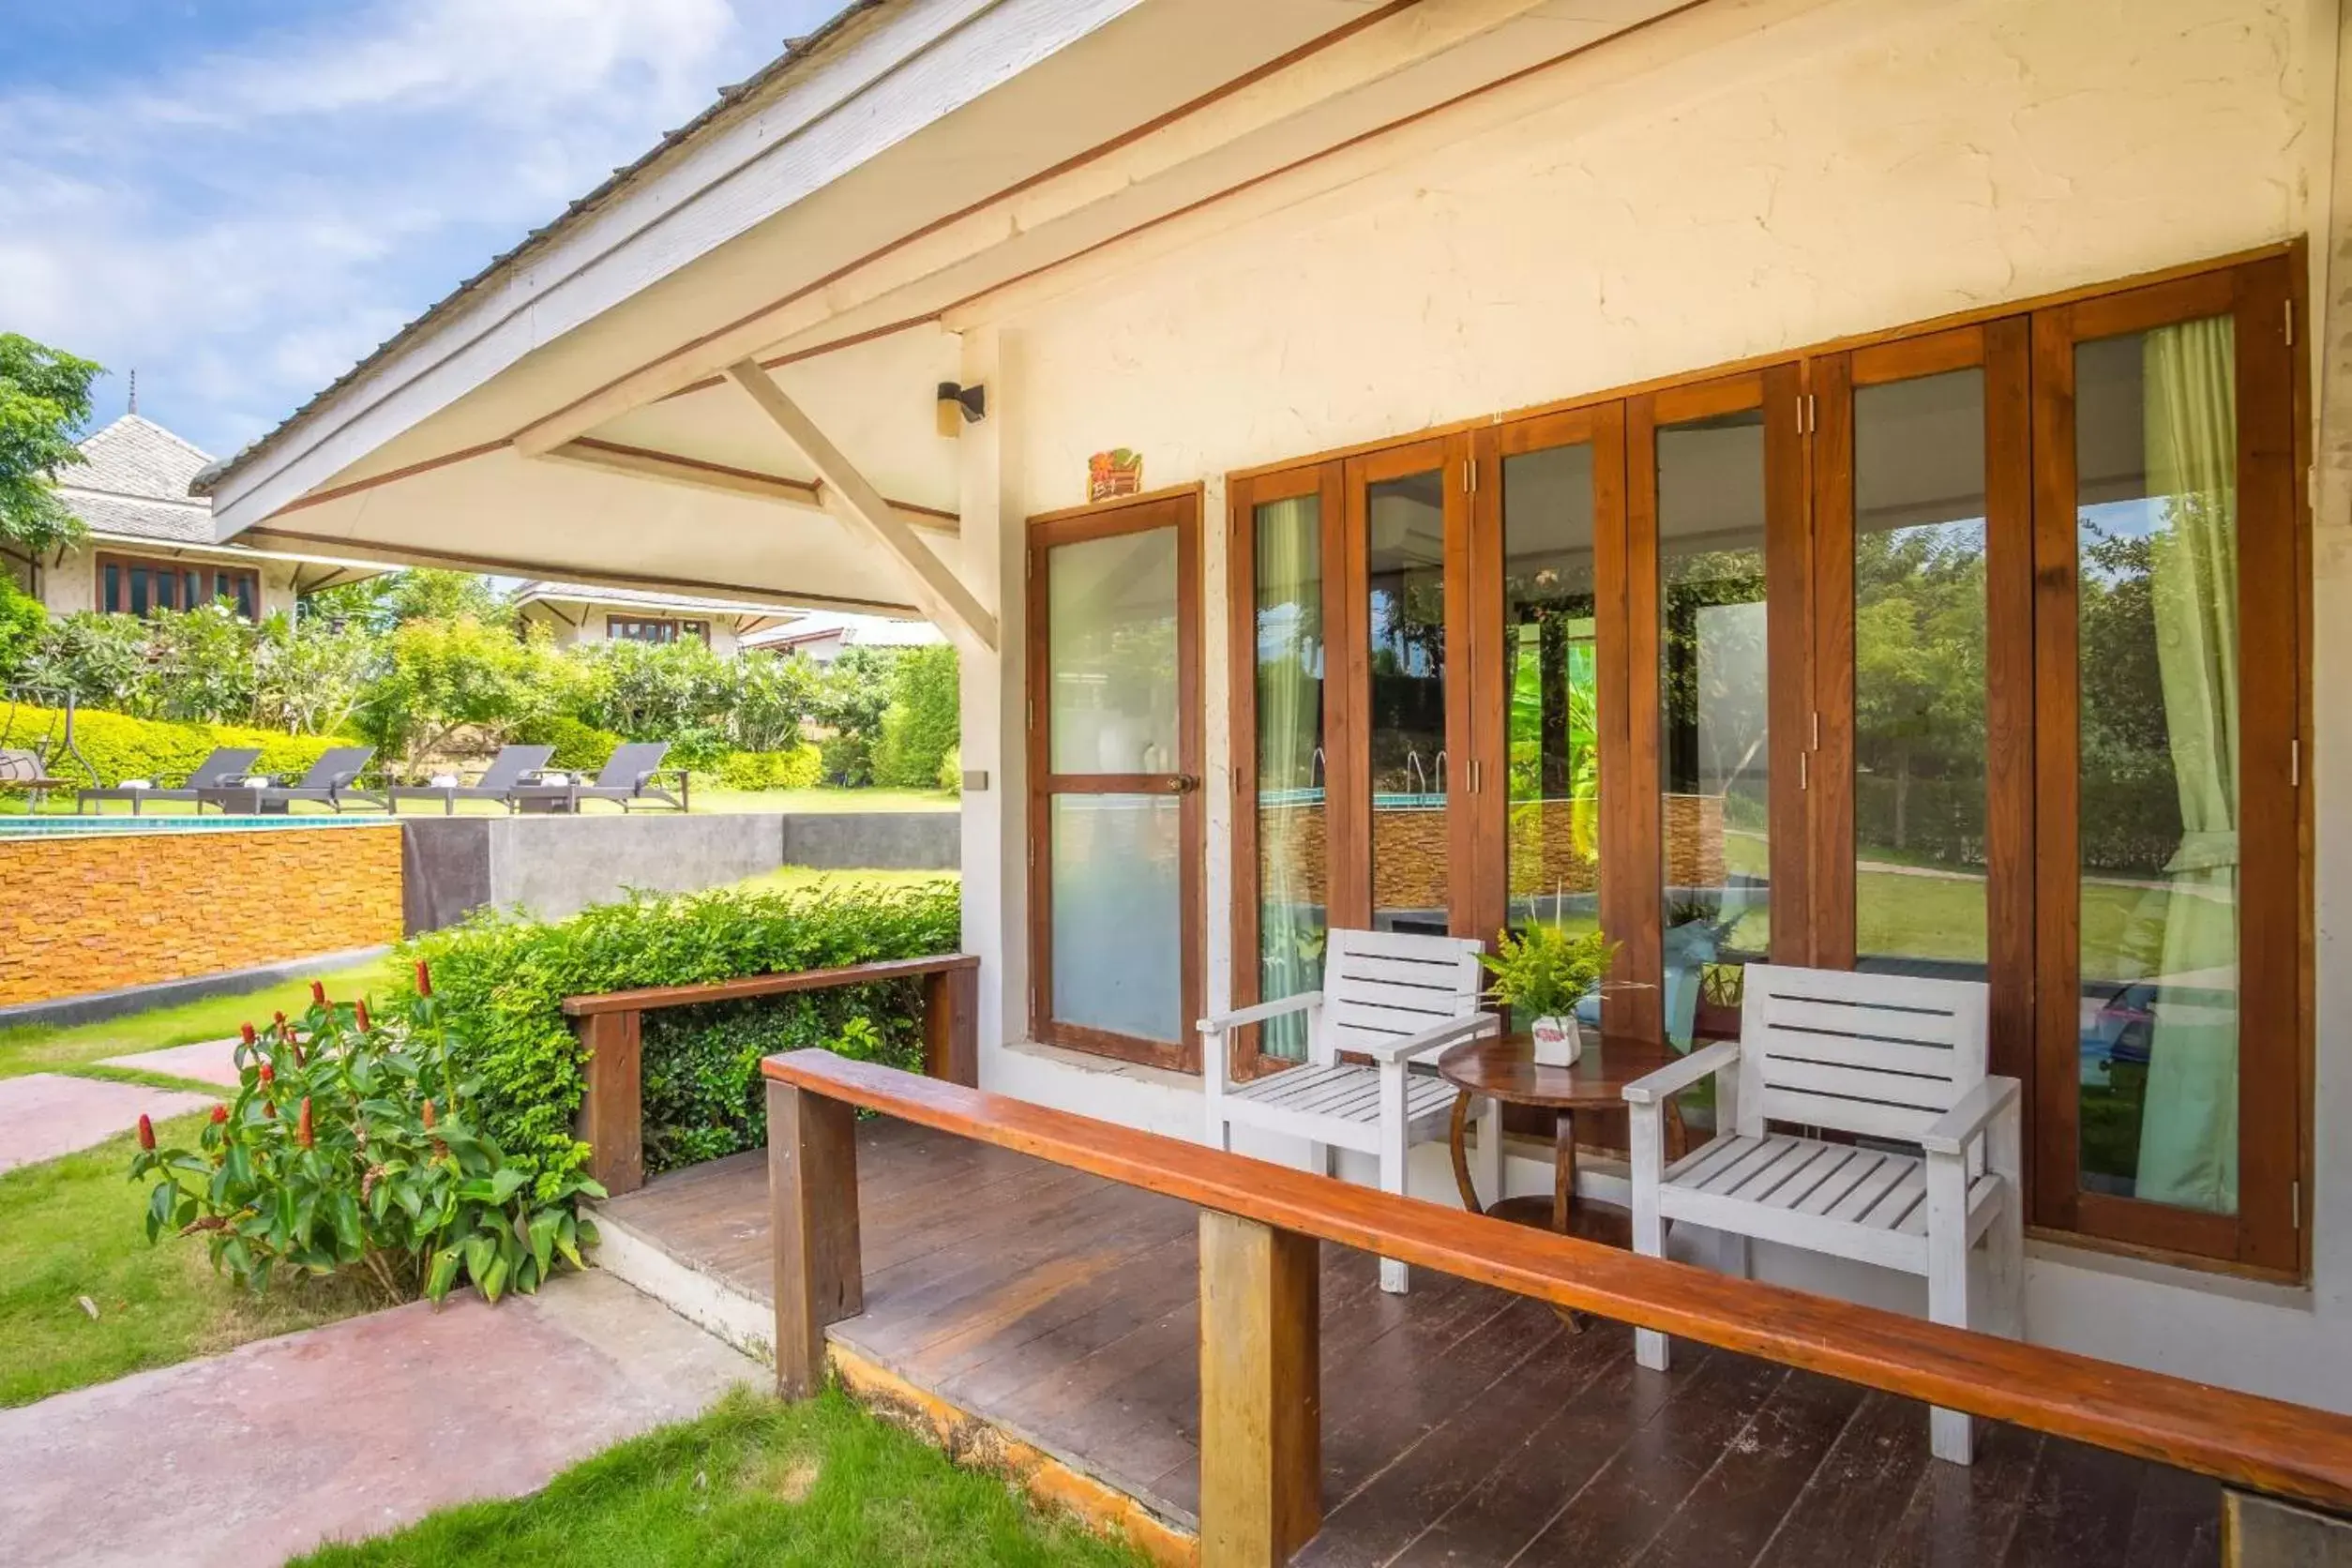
x: 627, y: 780
x: 497, y: 782
x: 328, y: 783
x: 226, y: 763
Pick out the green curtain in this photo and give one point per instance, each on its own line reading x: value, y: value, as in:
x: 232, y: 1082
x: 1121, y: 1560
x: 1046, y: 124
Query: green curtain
x: 2189, y: 1123
x: 1291, y: 808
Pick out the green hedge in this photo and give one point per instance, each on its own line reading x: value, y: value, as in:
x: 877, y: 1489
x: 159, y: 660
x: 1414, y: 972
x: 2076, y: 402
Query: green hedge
x: 579, y: 747
x: 503, y: 979
x: 122, y: 748
x: 800, y: 768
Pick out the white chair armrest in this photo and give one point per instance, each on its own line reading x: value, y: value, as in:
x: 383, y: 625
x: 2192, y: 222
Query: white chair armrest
x: 1951, y: 1133
x: 1406, y: 1046
x: 1679, y: 1076
x: 1263, y: 1011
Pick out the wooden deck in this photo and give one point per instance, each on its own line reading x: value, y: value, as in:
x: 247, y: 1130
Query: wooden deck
x: 1461, y: 1425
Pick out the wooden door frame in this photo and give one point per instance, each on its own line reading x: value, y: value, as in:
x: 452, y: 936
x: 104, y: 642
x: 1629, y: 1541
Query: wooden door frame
x: 2273, y: 1046
x: 1242, y: 497
x: 1180, y: 508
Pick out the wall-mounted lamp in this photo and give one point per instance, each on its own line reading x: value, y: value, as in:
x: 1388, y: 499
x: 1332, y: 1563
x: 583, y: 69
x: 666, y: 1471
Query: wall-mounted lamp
x: 960, y: 406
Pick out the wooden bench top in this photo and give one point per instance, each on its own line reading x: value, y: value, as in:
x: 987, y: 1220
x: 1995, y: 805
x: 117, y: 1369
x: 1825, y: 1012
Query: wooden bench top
x: 2242, y: 1439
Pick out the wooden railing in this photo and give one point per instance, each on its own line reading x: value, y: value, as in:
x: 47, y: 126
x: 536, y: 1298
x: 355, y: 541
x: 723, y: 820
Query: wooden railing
x: 1259, y: 1433
x: 611, y: 1024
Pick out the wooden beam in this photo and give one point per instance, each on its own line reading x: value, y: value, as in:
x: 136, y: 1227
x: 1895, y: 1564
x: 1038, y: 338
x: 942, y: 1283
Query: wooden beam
x: 640, y: 462
x: 1262, y: 1417
x: 612, y: 1120
x: 812, y: 1203
x: 950, y: 1024
x: 850, y: 497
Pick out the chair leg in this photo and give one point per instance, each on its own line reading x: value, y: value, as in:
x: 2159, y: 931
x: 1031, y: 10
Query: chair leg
x: 1318, y: 1158
x: 1951, y: 1434
x: 1650, y: 1348
x: 1732, y: 1255
x: 1394, y: 1277
x: 1491, y: 1148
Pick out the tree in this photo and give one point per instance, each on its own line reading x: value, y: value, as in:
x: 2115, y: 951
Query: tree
x: 44, y: 399
x: 923, y: 720
x: 441, y: 677
x: 417, y: 594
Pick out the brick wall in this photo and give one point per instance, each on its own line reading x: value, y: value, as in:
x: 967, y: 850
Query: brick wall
x: 81, y: 914
x: 1550, y: 844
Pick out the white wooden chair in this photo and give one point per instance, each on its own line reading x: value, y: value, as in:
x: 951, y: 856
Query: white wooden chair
x: 1886, y: 1058
x: 1395, y: 998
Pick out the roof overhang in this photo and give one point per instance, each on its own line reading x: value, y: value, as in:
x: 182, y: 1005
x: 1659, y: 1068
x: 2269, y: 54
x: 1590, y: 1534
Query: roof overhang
x: 575, y: 415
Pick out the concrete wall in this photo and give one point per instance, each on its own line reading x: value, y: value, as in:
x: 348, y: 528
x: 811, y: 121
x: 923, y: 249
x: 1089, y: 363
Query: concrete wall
x: 556, y: 865
x: 1738, y: 180
x: 90, y: 914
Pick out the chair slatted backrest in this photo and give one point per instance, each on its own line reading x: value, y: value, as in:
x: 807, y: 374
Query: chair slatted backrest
x: 511, y: 763
x: 1875, y: 1055
x: 226, y: 762
x: 1381, y: 985
x: 337, y: 767
x: 632, y: 763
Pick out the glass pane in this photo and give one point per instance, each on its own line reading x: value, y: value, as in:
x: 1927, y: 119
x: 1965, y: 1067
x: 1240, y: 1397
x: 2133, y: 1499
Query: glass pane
x: 2156, y: 536
x: 195, y: 590
x: 1919, y: 675
x: 1112, y: 622
x: 1551, y: 691
x: 113, y: 601
x: 244, y: 596
x: 1291, y: 809
x: 138, y: 590
x: 1118, y: 922
x: 1405, y: 558
x: 1712, y: 752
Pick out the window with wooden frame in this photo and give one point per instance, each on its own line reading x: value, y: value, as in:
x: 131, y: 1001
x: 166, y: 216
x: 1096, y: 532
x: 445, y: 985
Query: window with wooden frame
x: 1115, y: 943
x: 1973, y: 650
x: 653, y: 628
x: 129, y: 585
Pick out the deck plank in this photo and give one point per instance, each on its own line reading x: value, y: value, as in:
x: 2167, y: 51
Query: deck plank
x: 1462, y: 1426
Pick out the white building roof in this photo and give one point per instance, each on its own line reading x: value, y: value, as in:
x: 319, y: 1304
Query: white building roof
x: 855, y: 631
x: 640, y: 598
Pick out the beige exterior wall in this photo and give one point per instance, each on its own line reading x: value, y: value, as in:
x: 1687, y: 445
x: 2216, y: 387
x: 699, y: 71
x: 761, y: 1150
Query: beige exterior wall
x: 587, y: 624
x: 1736, y: 181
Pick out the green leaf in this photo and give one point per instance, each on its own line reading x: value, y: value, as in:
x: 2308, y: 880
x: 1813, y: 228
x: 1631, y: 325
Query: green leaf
x: 345, y: 1213
x: 503, y: 1183
x: 443, y: 1274
x: 543, y: 1227
x: 493, y: 1279
x: 159, y: 1210
x: 481, y: 1250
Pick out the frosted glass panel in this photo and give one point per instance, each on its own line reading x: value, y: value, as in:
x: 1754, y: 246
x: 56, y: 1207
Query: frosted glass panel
x: 1118, y: 919
x: 1112, y: 610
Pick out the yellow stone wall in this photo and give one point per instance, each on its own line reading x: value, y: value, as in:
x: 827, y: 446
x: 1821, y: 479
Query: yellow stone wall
x: 91, y: 914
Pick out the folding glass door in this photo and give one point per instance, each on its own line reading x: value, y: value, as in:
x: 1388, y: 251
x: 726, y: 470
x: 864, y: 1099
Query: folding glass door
x: 1115, y: 757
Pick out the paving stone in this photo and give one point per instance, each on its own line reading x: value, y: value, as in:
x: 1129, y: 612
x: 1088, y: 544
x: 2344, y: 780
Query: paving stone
x: 337, y: 1433
x: 43, y: 1115
x: 205, y: 1061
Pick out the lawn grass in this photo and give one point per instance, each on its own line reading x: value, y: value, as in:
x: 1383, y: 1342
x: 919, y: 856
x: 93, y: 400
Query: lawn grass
x: 49, y: 1049
x: 72, y: 1227
x: 818, y: 1484
x: 713, y: 800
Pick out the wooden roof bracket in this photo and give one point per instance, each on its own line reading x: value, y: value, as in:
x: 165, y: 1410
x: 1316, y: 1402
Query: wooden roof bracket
x: 847, y: 495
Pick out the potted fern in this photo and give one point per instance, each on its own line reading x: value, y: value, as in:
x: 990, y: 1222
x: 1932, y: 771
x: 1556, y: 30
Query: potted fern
x: 1544, y: 974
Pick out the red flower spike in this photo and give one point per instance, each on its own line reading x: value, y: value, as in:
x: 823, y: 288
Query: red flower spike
x: 269, y: 1109
x: 269, y: 1074
x: 146, y: 1133
x: 429, y: 1116
x: 424, y: 979
x: 220, y: 1112
x: 278, y: 1019
x: 361, y: 1016
x: 302, y: 1124
x: 245, y: 1031
x: 318, y: 993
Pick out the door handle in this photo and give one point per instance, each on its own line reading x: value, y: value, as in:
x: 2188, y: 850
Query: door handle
x: 1186, y: 783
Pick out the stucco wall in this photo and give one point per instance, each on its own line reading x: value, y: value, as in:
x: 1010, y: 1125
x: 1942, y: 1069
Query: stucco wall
x: 1736, y: 181
x: 593, y: 628
x: 94, y: 914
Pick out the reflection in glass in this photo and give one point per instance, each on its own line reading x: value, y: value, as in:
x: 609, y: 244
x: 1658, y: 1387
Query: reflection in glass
x: 1405, y: 558
x: 1111, y: 627
x: 1551, y: 691
x: 2156, y: 448
x: 1291, y: 809
x: 1118, y: 921
x: 1713, y: 753
x: 1919, y: 675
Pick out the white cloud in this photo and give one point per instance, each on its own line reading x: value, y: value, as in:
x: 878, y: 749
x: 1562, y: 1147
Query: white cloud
x: 247, y: 225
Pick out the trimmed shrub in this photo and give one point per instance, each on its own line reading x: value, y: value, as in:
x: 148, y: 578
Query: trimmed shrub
x: 800, y: 768
x: 922, y: 721
x: 122, y: 748
x: 951, y: 770
x: 847, y: 761
x: 22, y: 620
x: 502, y: 981
x: 579, y: 747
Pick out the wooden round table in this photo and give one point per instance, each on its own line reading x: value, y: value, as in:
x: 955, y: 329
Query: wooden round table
x: 1507, y: 1070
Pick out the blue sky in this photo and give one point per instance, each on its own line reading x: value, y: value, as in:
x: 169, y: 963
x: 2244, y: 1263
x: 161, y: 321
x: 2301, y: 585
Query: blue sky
x: 240, y: 198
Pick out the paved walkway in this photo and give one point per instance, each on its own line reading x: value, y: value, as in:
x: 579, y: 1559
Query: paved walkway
x: 349, y: 1431
x: 43, y: 1115
x: 206, y: 1062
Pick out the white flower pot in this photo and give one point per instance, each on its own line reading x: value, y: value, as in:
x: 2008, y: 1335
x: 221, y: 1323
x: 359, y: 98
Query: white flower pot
x: 1558, y: 1041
